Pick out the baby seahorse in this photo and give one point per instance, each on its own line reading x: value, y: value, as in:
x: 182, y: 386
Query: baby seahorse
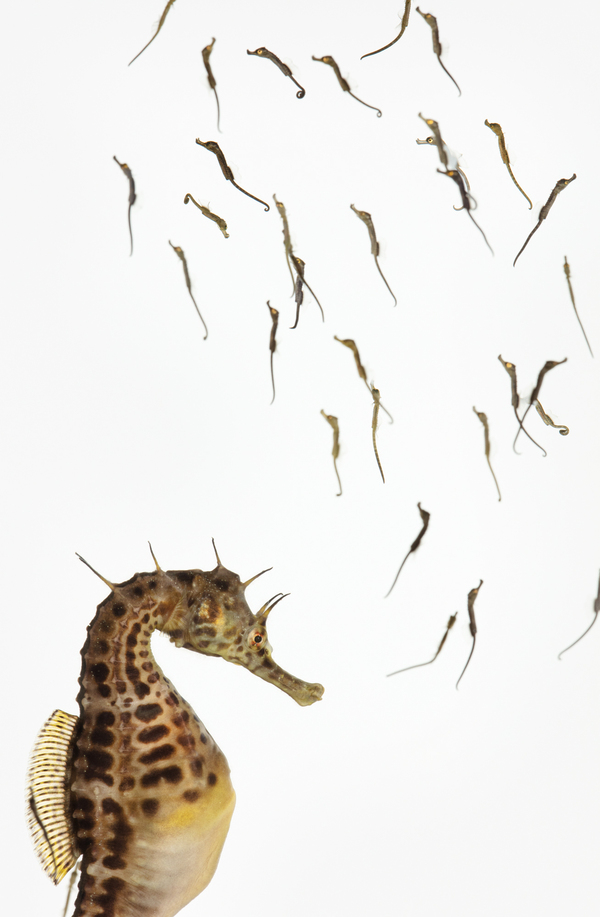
x: 268, y: 55
x: 132, y: 196
x: 287, y: 239
x: 425, y: 517
x: 486, y: 434
x: 567, y: 270
x: 466, y: 198
x: 367, y: 220
x: 560, y: 185
x: 376, y: 405
x: 343, y: 83
x: 596, y: 613
x: 472, y: 625
x: 135, y: 785
x: 495, y: 127
x: 333, y: 423
x: 161, y: 22
x: 213, y: 147
x: 206, y: 52
x: 437, y: 45
x: 403, y: 26
x: 449, y: 626
x: 274, y: 313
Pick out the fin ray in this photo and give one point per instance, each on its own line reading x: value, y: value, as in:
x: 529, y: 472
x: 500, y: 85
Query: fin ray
x: 47, y: 787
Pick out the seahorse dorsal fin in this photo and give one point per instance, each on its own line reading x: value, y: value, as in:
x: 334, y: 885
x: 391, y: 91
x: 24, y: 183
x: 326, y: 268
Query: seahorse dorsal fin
x: 47, y: 782
x: 99, y: 575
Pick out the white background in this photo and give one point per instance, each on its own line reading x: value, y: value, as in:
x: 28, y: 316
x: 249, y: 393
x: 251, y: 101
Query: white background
x: 393, y: 796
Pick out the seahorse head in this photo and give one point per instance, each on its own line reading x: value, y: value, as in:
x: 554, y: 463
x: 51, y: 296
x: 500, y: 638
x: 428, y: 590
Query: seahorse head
x: 213, y: 617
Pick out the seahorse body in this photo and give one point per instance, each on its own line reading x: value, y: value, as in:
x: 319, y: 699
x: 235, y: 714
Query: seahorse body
x: 149, y: 797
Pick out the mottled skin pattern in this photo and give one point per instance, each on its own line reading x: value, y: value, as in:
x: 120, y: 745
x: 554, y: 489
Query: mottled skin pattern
x: 150, y: 793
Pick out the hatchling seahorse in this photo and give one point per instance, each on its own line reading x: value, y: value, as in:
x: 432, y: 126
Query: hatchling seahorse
x: 135, y: 784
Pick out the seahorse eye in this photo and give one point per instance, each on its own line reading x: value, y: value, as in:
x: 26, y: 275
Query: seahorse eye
x: 256, y: 639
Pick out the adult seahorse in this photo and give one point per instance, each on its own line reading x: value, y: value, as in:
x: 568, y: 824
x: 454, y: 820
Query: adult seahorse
x: 135, y: 784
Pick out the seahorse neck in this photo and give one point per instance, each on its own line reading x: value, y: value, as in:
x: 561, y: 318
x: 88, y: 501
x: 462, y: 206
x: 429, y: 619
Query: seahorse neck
x: 117, y: 660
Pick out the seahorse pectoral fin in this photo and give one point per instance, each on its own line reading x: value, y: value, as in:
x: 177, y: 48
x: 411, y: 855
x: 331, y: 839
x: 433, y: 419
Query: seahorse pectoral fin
x: 47, y: 782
